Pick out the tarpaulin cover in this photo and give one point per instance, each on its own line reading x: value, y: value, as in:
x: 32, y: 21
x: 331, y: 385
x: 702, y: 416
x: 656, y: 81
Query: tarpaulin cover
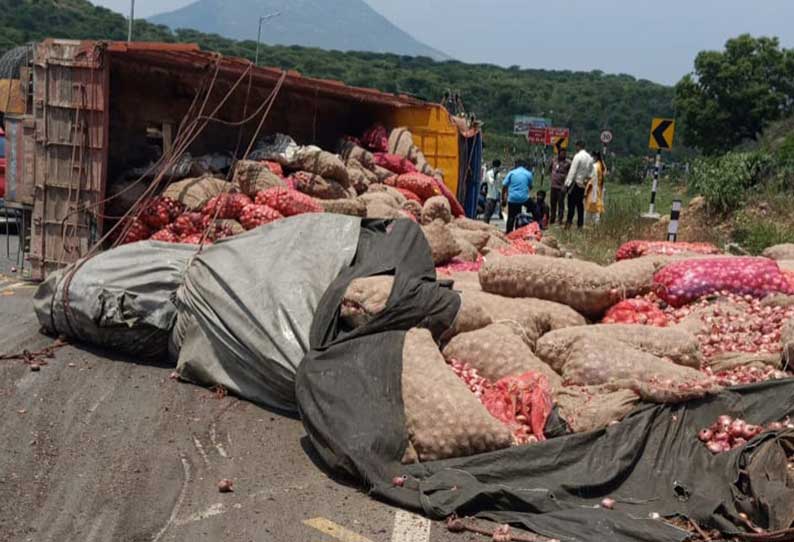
x: 247, y: 304
x: 120, y: 299
x: 349, y: 395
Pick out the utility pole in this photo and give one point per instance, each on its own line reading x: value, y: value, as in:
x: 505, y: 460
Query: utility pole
x: 132, y: 17
x: 262, y: 19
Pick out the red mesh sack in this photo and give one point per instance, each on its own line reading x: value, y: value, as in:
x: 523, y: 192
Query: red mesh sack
x: 288, y: 202
x: 516, y: 248
x: 161, y: 211
x: 682, y: 282
x: 376, y: 139
x: 523, y: 403
x: 227, y: 206
x: 138, y: 231
x: 457, y: 208
x: 529, y: 232
x: 636, y: 249
x: 195, y: 239
x: 274, y: 167
x: 409, y: 195
x: 635, y: 311
x: 254, y: 215
x: 394, y: 163
x: 189, y: 223
x: 456, y: 265
x: 165, y: 235
x: 420, y: 184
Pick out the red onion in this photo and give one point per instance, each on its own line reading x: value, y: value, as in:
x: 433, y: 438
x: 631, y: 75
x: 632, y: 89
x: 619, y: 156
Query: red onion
x: 705, y: 435
x: 775, y: 426
x: 722, y: 436
x: 737, y: 428
x: 398, y: 481
x: 724, y: 421
x: 608, y: 503
x: 225, y: 486
x: 714, y: 447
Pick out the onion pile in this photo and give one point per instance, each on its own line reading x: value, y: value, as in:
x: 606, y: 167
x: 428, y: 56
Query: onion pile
x: 471, y: 377
x: 746, y: 374
x: 729, y: 433
x: 456, y: 266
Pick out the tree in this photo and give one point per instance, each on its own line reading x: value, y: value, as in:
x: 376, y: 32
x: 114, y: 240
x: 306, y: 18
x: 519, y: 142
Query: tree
x: 732, y: 95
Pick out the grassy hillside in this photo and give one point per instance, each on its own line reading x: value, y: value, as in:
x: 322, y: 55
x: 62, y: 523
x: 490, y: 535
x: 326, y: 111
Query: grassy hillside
x: 585, y: 102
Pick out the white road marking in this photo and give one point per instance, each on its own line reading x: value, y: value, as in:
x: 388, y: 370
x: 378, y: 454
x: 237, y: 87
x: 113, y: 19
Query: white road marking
x: 200, y: 448
x: 178, y: 504
x: 218, y: 445
x: 410, y: 527
x: 214, y: 510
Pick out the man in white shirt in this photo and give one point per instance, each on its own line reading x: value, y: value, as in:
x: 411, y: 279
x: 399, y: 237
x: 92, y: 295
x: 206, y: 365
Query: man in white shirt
x: 582, y: 170
x: 493, y: 181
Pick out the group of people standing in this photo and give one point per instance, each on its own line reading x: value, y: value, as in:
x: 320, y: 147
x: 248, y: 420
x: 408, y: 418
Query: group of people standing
x: 580, y: 181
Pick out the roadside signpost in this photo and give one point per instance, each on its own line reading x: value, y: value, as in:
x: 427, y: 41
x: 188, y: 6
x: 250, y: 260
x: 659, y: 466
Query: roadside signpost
x: 606, y: 137
x: 522, y: 123
x: 661, y: 138
x: 675, y: 216
x: 536, y: 135
x: 558, y: 138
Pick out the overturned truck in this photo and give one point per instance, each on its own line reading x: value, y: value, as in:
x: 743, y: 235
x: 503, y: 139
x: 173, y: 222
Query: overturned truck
x: 343, y: 320
x: 106, y: 120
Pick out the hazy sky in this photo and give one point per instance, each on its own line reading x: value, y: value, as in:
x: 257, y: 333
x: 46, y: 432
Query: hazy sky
x: 652, y: 39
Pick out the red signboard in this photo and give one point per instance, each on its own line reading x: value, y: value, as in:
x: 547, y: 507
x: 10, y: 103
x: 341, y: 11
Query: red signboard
x: 536, y: 136
x: 555, y: 134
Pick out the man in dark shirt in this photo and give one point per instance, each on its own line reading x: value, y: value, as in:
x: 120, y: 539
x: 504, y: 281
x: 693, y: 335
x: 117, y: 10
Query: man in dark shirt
x: 560, y: 166
x: 540, y: 211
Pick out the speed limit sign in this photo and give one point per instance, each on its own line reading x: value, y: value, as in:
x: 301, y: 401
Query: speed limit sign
x: 606, y: 137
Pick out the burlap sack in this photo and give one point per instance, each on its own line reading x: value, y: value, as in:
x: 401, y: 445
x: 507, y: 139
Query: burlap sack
x: 379, y: 197
x: 401, y: 143
x: 778, y: 300
x: 399, y: 199
x: 350, y: 151
x: 786, y: 265
x: 465, y: 281
x: 731, y: 360
x: 382, y: 173
x: 468, y: 252
x: 320, y: 187
x: 695, y: 322
x: 589, y: 408
x: 195, y: 193
x: 787, y: 340
x: 413, y: 207
x: 594, y: 360
x: 235, y: 227
x: 381, y: 210
x: 584, y: 286
x: 351, y: 207
x: 436, y: 208
x: 494, y: 242
x: 675, y: 344
x: 251, y: 177
x: 550, y: 241
x: 496, y: 352
x: 442, y: 242
x: 365, y: 298
x: 443, y: 418
x: 322, y: 163
x: 471, y: 317
x: 359, y: 176
x: 542, y: 249
x: 477, y: 238
x: 780, y: 252
x: 476, y: 225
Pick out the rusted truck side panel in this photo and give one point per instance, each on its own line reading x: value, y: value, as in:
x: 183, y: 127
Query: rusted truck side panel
x: 71, y: 120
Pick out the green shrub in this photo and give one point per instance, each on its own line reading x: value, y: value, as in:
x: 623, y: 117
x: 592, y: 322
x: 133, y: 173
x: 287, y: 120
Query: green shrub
x: 628, y: 170
x: 725, y: 181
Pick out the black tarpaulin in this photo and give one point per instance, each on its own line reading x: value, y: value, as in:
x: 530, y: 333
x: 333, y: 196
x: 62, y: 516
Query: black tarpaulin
x: 349, y: 394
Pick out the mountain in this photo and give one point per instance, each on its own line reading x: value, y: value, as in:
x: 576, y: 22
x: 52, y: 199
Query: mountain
x: 585, y: 102
x: 342, y: 25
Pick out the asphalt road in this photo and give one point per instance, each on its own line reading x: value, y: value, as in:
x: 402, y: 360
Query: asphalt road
x: 94, y: 447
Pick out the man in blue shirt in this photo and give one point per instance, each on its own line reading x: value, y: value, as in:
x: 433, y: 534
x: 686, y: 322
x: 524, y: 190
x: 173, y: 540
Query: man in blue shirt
x: 516, y: 186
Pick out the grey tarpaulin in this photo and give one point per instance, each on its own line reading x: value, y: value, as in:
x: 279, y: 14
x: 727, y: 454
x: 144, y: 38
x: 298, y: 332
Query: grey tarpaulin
x: 119, y: 299
x: 247, y: 304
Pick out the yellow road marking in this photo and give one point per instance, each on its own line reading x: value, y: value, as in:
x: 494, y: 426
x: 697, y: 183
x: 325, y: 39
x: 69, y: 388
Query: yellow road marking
x: 330, y: 528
